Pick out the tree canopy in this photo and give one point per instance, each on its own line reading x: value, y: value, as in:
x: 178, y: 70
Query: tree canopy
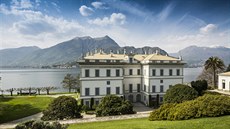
x: 70, y: 82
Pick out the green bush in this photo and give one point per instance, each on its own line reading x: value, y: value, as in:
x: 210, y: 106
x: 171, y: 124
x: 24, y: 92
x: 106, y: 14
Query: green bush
x: 63, y: 107
x: 32, y: 124
x: 200, y: 86
x: 180, y: 93
x: 162, y: 112
x: 114, y: 105
x: 204, y: 106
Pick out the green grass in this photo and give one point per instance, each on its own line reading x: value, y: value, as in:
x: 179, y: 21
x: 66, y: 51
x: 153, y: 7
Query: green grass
x: 144, y: 123
x: 12, y: 108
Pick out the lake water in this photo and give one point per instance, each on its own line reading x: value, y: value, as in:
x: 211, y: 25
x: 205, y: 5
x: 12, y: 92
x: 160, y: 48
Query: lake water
x: 16, y: 78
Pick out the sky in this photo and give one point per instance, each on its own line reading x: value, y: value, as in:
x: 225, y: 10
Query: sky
x: 169, y: 24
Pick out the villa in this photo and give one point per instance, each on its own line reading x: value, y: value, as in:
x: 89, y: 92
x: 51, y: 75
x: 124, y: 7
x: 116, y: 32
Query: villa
x: 137, y: 77
x: 224, y: 81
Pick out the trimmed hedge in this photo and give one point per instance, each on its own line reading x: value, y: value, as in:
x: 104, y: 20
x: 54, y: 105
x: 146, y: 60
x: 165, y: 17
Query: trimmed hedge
x: 63, y: 107
x: 204, y: 106
x: 32, y: 124
x: 113, y: 105
x: 180, y: 93
x: 200, y: 86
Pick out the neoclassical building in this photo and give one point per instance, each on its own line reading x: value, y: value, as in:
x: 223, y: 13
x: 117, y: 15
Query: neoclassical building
x: 137, y: 77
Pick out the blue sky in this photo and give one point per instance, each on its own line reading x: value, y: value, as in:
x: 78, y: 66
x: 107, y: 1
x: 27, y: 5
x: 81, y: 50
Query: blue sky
x: 169, y: 24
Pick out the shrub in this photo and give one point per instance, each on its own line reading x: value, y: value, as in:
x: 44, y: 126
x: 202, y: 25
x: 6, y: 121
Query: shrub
x: 162, y: 112
x: 63, y: 107
x: 200, y: 86
x: 114, y: 105
x: 32, y: 124
x: 204, y: 106
x: 180, y: 93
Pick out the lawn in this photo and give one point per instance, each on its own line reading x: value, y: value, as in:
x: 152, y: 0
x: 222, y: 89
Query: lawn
x: 12, y: 108
x: 144, y: 123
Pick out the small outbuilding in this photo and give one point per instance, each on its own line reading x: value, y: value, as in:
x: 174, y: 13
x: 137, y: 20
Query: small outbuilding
x: 224, y: 81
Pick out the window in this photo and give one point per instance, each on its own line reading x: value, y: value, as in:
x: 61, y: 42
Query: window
x: 97, y: 73
x: 138, y: 72
x: 223, y: 84
x: 162, y: 72
x: 108, y: 82
x: 161, y: 88
x: 108, y: 90
x: 108, y: 73
x: 86, y: 91
x: 130, y: 60
x: 161, y: 99
x: 170, y: 86
x: 178, y: 72
x: 117, y: 61
x: 144, y: 87
x: 130, y: 88
x: 96, y: 61
x: 144, y: 98
x: 153, y: 89
x: 97, y: 91
x: 117, y: 72
x: 87, y: 73
x: 96, y: 102
x: 130, y: 72
x: 170, y: 72
x: 87, y: 103
x: 117, y: 90
x: 154, y: 72
x: 161, y: 81
x: 108, y: 61
x: 138, y: 87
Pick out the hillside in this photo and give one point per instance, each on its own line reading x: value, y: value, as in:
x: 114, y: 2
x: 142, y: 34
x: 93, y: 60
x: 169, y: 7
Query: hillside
x: 67, y: 51
x: 196, y: 56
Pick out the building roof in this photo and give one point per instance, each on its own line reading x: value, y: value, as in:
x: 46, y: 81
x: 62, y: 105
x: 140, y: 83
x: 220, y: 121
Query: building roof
x: 225, y: 74
x: 138, y: 57
x: 104, y: 56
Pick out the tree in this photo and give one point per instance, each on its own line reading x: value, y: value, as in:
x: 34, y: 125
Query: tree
x: 69, y: 82
x: 48, y: 88
x: 228, y: 68
x: 113, y: 105
x: 200, y: 86
x: 11, y: 91
x: 63, y: 107
x: 180, y: 93
x: 215, y: 64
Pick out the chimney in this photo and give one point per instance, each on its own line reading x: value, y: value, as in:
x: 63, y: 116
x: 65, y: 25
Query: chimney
x: 124, y: 51
x: 118, y: 52
x: 157, y: 52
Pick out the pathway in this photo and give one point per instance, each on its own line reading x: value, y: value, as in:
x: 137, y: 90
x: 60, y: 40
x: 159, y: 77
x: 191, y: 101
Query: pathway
x: 222, y: 92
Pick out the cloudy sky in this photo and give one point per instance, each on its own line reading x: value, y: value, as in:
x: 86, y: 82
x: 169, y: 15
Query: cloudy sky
x: 168, y: 24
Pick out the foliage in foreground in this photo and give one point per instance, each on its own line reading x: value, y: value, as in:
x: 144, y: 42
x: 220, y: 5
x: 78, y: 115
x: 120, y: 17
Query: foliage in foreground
x: 63, y: 107
x: 143, y: 123
x: 200, y: 86
x: 180, y: 93
x: 204, y: 106
x: 113, y: 105
x: 32, y: 124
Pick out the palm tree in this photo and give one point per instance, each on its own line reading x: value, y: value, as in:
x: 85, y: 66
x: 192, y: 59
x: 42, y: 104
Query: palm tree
x: 215, y: 64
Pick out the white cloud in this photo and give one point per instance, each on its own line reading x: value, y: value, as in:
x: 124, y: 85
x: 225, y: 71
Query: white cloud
x: 166, y: 12
x: 208, y: 28
x: 114, y: 19
x: 21, y: 4
x: 85, y: 11
x: 98, y: 5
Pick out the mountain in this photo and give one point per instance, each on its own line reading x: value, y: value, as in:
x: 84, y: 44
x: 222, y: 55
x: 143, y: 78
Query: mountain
x: 13, y: 55
x: 196, y: 56
x: 67, y: 51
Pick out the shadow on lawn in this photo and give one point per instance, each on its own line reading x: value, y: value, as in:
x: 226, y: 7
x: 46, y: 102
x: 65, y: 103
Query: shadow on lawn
x: 12, y: 112
x: 4, y: 99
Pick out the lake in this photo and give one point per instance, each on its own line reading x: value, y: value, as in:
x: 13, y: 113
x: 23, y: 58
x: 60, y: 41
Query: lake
x: 16, y: 78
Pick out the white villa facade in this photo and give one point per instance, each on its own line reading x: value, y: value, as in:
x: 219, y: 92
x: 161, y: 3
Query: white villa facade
x: 224, y: 81
x: 138, y: 78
